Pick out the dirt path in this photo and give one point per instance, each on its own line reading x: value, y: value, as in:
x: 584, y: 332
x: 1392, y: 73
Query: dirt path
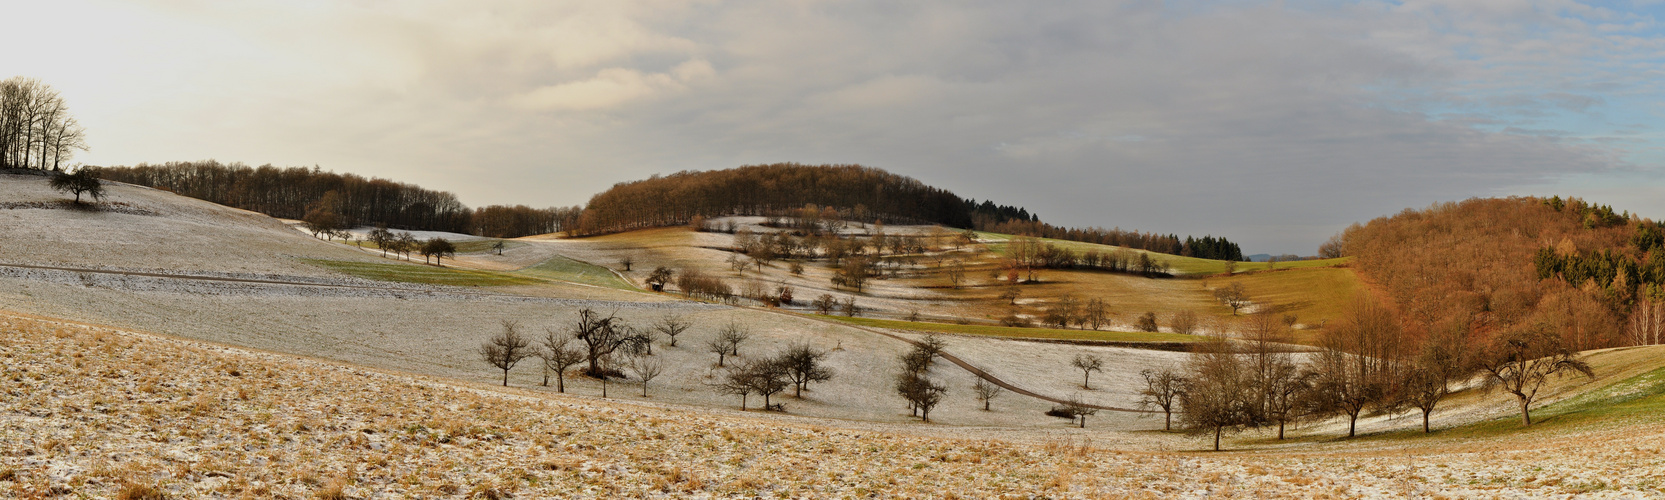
x: 975, y: 370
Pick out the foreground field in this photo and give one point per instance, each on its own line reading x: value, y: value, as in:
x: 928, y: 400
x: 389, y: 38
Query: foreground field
x: 91, y: 412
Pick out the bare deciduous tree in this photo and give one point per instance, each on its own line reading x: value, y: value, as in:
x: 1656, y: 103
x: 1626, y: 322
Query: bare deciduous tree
x: 956, y: 272
x: 1233, y: 296
x: 1146, y: 322
x: 646, y: 368
x: 1162, y: 390
x: 824, y: 304
x: 558, y: 356
x: 1079, y: 410
x: 1521, y: 361
x: 506, y: 349
x: 602, y: 336
x: 671, y: 325
x: 985, y: 391
x: 1445, y: 359
x: 1087, y: 363
x: 1096, y: 314
x: 79, y: 182
x: 1215, y: 397
x: 802, y: 365
x: 732, y: 335
x: 438, y: 248
x: 921, y: 393
x: 659, y: 277
x: 1184, y: 322
x: 626, y: 262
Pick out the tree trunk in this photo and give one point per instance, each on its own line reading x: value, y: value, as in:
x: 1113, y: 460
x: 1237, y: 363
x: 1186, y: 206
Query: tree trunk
x: 644, y: 388
x: 1083, y: 421
x: 1217, y: 430
x: 1425, y: 413
x: 1280, y: 430
x: 1168, y: 421
x: 985, y: 405
x: 1352, y: 424
x: 546, y: 376
x: 505, y: 378
x: 743, y: 401
x: 1525, y: 413
x: 604, y: 387
x: 798, y: 391
x: 560, y: 382
x: 720, y: 360
x: 1085, y: 377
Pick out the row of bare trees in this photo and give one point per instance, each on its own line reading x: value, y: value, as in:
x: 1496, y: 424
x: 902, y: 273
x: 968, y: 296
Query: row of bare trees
x: 36, y: 129
x: 1366, y: 363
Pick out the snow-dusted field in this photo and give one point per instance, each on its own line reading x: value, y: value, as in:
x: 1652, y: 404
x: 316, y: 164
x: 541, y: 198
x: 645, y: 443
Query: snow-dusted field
x: 435, y: 330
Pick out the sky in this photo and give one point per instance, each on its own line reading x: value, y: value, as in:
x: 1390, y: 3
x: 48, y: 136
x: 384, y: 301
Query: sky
x: 1274, y: 124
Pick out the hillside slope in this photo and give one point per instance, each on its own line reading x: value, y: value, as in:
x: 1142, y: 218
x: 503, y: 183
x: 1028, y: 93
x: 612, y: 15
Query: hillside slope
x: 198, y: 421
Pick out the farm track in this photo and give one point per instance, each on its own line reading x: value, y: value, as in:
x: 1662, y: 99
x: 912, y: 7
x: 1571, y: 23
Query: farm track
x: 983, y: 374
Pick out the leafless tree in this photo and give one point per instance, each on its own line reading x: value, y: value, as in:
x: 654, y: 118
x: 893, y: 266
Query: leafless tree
x: 802, y: 365
x: 659, y: 277
x: 849, y: 307
x: 955, y: 272
x: 1233, y: 296
x: 1445, y: 359
x: 1521, y: 361
x: 1184, y: 322
x: 671, y: 325
x: 1096, y: 314
x: 79, y: 182
x: 1078, y: 409
x: 1146, y: 322
x: 438, y: 248
x: 1162, y: 390
x: 763, y: 377
x: 626, y: 262
x: 1087, y: 363
x: 985, y: 391
x: 1358, y: 365
x: 1216, y: 394
x: 558, y: 356
x: 602, y: 336
x: 646, y: 368
x: 921, y: 393
x: 506, y: 349
x: 824, y: 304
x: 1011, y: 294
x: 732, y: 335
x: 1647, y: 321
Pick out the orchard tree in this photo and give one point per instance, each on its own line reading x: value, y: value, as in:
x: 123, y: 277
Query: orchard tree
x: 558, y: 355
x: 802, y: 365
x: 985, y: 391
x: 671, y: 325
x: 438, y: 248
x: 1163, y: 389
x: 1521, y: 361
x: 1234, y: 296
x: 79, y: 182
x: 506, y: 349
x: 1087, y: 363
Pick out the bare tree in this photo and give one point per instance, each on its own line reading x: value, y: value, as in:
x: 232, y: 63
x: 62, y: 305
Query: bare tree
x: 498, y: 247
x: 558, y: 356
x: 1444, y: 360
x: 1146, y: 322
x: 646, y: 368
x: 732, y: 335
x: 506, y: 349
x: 671, y: 325
x: 659, y: 277
x: 759, y: 376
x: 1096, y: 314
x: 956, y: 272
x: 1216, y: 394
x: 921, y: 393
x: 824, y: 304
x: 1163, y: 389
x: 849, y: 307
x: 627, y: 261
x: 80, y: 182
x: 802, y: 365
x: 1184, y: 322
x: 985, y: 391
x: 1359, y: 363
x: 1011, y: 294
x: 719, y: 347
x: 1079, y: 410
x: 1087, y: 363
x: 438, y: 248
x: 1234, y: 296
x: 1521, y: 361
x: 602, y: 336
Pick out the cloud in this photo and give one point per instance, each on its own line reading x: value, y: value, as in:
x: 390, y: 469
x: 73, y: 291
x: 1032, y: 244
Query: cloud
x: 1271, y: 123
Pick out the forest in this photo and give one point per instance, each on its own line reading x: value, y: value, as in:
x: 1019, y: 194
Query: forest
x: 1498, y: 265
x: 294, y: 192
x: 853, y: 192
x: 36, y: 129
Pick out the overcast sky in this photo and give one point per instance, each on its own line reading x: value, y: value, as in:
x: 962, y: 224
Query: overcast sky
x: 1274, y: 124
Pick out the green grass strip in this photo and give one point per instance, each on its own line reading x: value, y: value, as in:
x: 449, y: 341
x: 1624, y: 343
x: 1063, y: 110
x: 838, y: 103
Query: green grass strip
x: 565, y: 269
x: 421, y: 273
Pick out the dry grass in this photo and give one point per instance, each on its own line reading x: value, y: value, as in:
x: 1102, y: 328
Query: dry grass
x: 75, y: 426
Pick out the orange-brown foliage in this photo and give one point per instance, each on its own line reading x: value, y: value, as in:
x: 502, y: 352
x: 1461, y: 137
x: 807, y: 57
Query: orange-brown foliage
x: 1474, y: 259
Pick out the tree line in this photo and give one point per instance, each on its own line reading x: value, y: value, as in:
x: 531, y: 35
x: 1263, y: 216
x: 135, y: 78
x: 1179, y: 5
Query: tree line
x: 351, y: 199
x: 1207, y: 247
x: 36, y: 129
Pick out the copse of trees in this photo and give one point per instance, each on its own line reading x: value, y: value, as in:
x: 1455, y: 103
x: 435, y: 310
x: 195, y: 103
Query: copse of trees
x: 36, y: 129
x: 296, y: 193
x: 856, y: 193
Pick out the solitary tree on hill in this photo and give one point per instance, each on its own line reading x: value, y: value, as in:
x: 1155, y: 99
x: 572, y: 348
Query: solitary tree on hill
x: 79, y: 182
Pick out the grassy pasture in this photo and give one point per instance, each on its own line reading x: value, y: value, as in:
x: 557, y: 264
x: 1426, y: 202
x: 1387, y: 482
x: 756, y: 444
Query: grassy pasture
x: 1014, y: 332
x: 425, y: 274
x: 565, y: 269
x: 1181, y: 265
